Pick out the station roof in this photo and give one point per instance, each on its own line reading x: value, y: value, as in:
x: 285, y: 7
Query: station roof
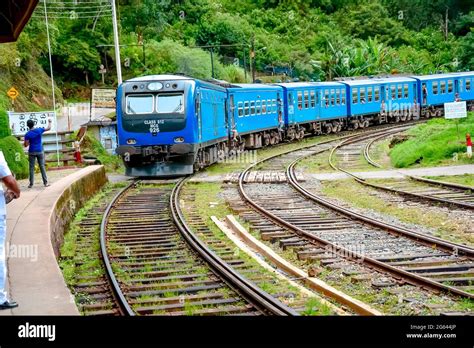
x: 14, y: 14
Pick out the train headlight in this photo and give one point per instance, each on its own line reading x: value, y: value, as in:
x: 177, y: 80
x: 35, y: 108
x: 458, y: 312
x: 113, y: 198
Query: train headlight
x: 178, y: 139
x: 131, y: 141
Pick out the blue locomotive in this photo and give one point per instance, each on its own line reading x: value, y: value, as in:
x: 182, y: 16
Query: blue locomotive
x: 171, y: 125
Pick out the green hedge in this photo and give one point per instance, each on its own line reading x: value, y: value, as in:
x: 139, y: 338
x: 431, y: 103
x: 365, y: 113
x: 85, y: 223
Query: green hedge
x: 5, y: 130
x: 16, y: 158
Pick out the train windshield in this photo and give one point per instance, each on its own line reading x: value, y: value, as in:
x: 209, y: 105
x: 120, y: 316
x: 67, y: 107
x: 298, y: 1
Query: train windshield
x: 140, y: 104
x: 170, y: 104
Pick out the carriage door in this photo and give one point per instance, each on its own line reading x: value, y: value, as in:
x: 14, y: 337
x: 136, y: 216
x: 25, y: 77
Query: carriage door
x: 230, y: 119
x: 280, y: 112
x: 197, y: 110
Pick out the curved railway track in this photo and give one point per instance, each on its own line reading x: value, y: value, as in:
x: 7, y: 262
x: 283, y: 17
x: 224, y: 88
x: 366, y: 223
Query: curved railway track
x: 414, y: 187
x: 157, y: 265
x: 428, y: 262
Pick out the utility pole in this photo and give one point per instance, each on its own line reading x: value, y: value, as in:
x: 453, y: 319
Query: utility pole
x: 446, y: 24
x: 52, y: 80
x: 252, y: 58
x: 116, y: 43
x: 212, y: 62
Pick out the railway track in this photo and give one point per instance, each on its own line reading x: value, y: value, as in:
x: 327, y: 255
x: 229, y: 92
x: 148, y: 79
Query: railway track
x: 345, y: 157
x: 156, y: 265
x: 311, y: 225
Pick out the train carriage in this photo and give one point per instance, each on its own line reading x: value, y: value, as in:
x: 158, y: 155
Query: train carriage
x: 381, y: 100
x: 167, y: 124
x: 313, y: 107
x: 435, y: 90
x: 256, y: 115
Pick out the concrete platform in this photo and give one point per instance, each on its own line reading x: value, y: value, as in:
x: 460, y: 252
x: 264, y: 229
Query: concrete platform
x: 34, y: 223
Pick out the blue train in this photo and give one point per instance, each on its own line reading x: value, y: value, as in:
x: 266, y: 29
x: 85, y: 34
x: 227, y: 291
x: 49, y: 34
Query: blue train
x: 172, y: 125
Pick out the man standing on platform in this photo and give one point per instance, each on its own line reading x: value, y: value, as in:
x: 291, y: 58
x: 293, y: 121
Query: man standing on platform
x: 13, y: 191
x: 33, y: 138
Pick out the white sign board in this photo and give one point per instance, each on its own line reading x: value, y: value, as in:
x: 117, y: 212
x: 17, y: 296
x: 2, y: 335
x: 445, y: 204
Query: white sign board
x: 103, y: 98
x: 455, y: 110
x: 18, y: 121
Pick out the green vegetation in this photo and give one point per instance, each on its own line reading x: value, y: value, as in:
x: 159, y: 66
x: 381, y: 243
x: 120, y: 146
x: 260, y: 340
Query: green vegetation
x: 434, y: 143
x: 466, y: 179
x: 15, y: 157
x: 92, y: 147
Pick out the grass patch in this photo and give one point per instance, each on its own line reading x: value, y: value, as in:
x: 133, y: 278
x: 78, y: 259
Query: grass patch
x: 466, y: 179
x: 434, y: 143
x: 362, y: 197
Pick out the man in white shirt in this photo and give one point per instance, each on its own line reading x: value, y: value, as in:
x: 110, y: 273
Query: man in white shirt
x: 13, y: 191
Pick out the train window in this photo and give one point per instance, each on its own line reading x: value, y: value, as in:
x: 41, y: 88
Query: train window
x: 442, y: 87
x: 369, y: 94
x: 434, y: 86
x: 343, y: 97
x: 290, y: 99
x: 450, y: 86
x: 326, y: 97
x: 355, y: 95
x: 258, y: 107
x: 300, y: 100
x: 405, y: 90
x: 139, y: 104
x: 400, y: 91
x: 313, y: 99
x: 247, y: 109
x: 332, y: 97
x: 306, y: 99
x: 394, y: 92
x: 338, y: 97
x: 170, y: 103
x: 376, y: 94
x: 468, y: 85
x: 362, y: 95
x: 240, y: 106
x: 274, y: 106
x: 252, y: 108
x: 264, y: 107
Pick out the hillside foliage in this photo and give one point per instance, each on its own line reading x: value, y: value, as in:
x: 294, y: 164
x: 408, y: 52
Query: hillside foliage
x: 297, y: 39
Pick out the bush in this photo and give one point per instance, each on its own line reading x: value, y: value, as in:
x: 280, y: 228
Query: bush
x: 15, y: 157
x: 5, y: 130
x: 92, y: 147
x: 434, y: 143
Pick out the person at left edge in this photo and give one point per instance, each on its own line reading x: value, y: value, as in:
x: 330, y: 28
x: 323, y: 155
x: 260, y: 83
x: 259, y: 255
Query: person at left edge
x: 13, y: 191
x: 34, y: 139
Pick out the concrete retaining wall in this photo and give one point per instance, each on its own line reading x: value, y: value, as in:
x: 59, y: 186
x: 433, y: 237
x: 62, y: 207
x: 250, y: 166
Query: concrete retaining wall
x: 71, y: 200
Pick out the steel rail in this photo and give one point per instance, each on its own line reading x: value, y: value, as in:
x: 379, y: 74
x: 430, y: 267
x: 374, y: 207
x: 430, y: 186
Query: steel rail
x: 251, y: 292
x: 399, y: 273
x: 427, y: 240
x: 117, y: 293
x: 417, y: 178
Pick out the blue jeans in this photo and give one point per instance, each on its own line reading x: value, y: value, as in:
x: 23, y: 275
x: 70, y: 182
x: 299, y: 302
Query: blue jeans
x: 3, y: 260
x: 32, y: 157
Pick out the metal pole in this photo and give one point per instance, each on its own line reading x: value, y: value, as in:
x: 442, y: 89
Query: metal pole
x: 245, y: 64
x: 52, y: 80
x: 116, y: 43
x: 212, y: 61
x: 252, y: 59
